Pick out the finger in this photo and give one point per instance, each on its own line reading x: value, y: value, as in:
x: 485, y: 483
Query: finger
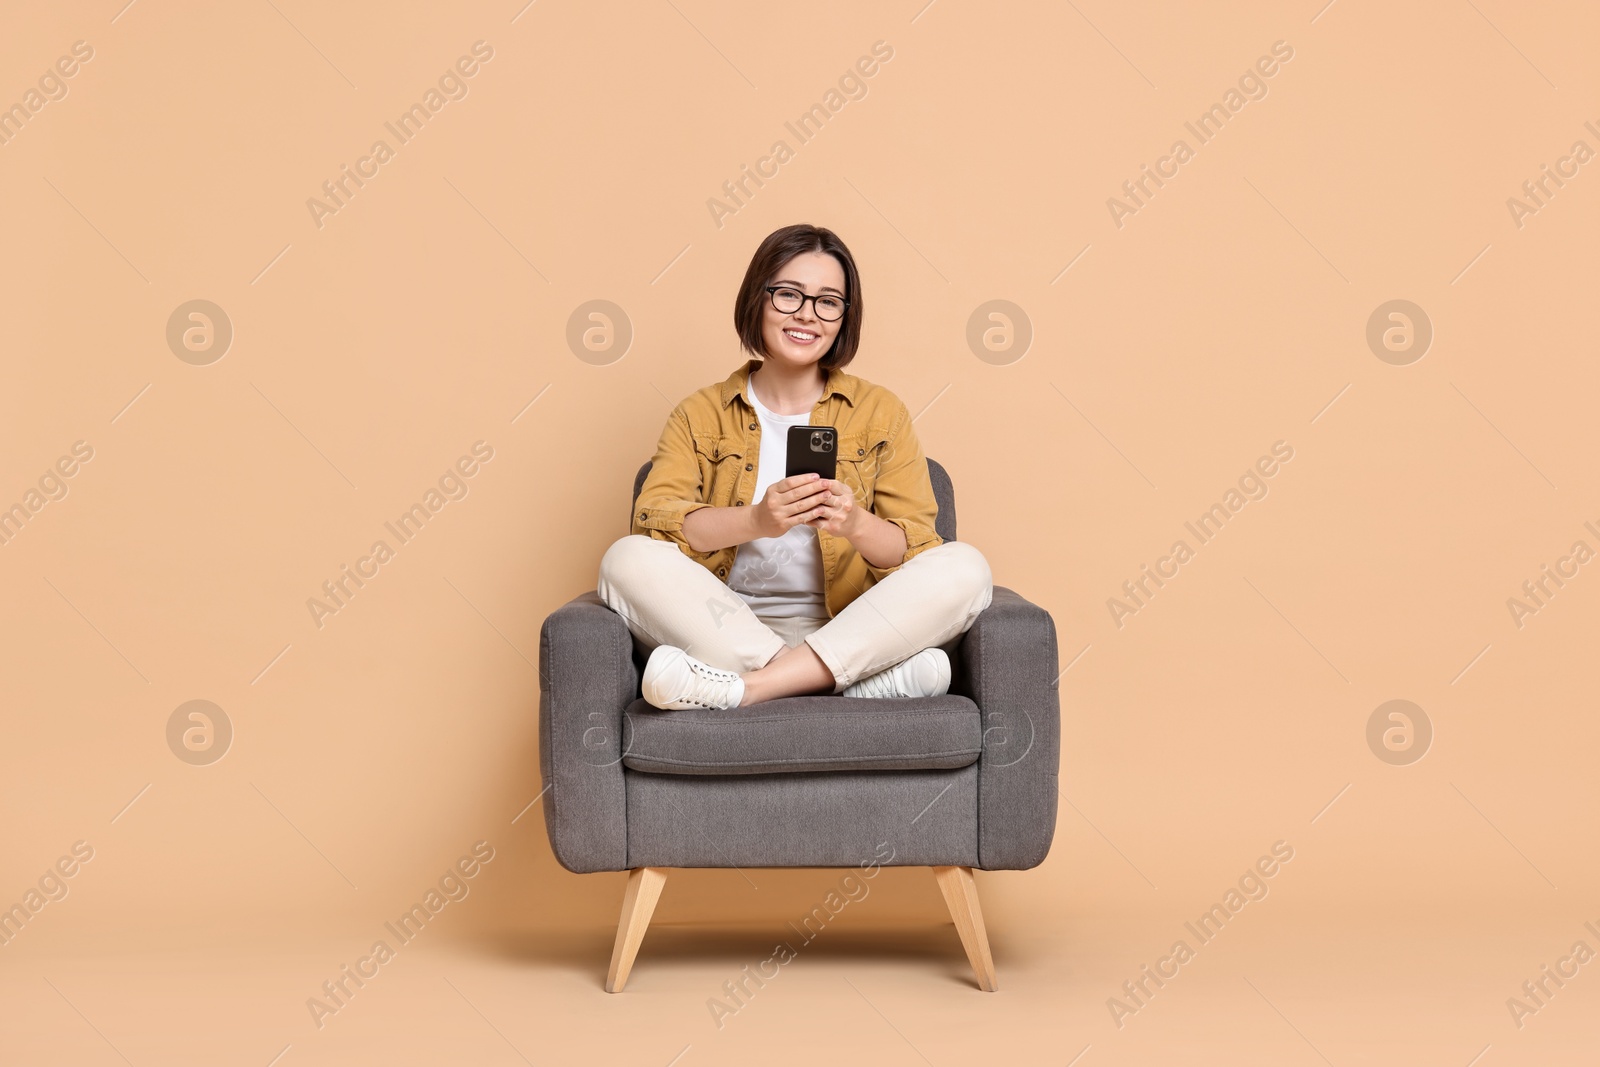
x: 796, y: 481
x: 802, y: 495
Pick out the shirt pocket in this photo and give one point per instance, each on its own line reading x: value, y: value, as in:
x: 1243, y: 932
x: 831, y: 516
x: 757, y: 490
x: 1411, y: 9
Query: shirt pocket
x: 862, y: 454
x: 721, y: 460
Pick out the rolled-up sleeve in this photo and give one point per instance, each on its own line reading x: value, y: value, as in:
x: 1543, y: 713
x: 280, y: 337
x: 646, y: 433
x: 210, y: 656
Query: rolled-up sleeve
x: 672, y: 489
x: 903, y: 493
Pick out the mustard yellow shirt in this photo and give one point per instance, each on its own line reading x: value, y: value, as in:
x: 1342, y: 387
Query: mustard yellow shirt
x: 707, y: 458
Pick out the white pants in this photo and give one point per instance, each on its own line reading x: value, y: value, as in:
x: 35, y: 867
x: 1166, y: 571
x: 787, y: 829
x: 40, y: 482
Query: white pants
x: 666, y: 598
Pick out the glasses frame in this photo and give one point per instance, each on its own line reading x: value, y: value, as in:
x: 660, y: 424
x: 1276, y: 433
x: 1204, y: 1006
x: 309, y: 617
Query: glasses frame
x: 772, y: 298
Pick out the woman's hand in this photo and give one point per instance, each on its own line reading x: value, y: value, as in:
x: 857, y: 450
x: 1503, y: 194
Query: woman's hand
x: 838, y: 512
x: 880, y: 542
x: 790, y: 502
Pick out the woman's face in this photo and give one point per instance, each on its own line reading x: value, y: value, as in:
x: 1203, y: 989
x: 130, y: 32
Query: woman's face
x: 800, y: 338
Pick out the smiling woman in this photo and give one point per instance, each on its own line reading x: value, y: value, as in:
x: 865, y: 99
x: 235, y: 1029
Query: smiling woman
x: 841, y: 585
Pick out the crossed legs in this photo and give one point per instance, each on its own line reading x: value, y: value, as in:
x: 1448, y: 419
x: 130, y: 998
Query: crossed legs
x: 796, y: 669
x: 667, y: 598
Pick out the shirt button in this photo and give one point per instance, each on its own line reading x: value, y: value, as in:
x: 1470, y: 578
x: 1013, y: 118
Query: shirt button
x: 752, y: 425
x: 738, y: 503
x: 722, y: 572
x: 641, y: 516
x: 861, y: 451
x: 748, y: 467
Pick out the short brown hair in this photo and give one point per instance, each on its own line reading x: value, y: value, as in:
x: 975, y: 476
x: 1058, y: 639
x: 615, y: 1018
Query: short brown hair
x: 750, y: 306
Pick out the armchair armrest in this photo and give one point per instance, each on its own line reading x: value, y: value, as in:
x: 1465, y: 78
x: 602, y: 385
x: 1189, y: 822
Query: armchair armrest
x: 1007, y: 665
x: 587, y: 677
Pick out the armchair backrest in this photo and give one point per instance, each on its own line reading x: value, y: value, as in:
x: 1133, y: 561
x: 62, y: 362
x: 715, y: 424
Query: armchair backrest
x: 944, y: 494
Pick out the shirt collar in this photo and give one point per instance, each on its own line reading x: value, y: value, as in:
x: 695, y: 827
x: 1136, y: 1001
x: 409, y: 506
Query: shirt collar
x: 833, y: 381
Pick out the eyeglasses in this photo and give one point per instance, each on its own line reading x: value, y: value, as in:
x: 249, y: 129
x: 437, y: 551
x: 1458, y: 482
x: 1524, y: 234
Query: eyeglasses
x: 829, y: 308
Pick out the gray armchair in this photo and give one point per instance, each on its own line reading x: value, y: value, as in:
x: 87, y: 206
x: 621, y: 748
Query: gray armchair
x: 962, y: 781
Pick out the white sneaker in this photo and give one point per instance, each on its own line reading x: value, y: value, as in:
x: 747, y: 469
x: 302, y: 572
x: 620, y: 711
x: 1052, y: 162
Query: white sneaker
x: 927, y: 674
x: 673, y: 680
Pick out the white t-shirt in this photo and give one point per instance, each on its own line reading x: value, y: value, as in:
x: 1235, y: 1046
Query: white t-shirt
x: 779, y: 576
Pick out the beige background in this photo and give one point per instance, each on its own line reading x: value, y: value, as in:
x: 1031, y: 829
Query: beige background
x: 431, y: 311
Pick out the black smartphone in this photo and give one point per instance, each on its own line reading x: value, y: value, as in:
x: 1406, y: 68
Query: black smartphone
x: 812, y: 449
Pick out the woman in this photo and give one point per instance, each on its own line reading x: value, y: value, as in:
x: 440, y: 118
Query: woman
x: 746, y: 585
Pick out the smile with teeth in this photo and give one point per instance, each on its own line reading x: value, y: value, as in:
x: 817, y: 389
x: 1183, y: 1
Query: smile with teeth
x: 803, y: 337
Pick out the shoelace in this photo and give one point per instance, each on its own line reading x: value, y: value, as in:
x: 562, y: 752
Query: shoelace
x: 881, y: 684
x: 705, y: 675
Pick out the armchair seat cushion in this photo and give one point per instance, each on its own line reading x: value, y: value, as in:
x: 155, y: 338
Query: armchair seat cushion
x: 805, y: 733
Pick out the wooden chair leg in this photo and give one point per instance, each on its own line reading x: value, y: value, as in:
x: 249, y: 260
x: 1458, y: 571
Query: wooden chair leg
x: 961, y: 897
x: 638, y: 904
